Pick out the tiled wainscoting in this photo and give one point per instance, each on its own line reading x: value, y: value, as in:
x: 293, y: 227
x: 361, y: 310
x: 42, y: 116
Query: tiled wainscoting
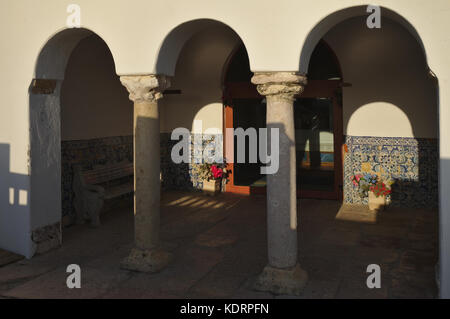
x: 181, y: 176
x: 412, y: 163
x: 110, y: 150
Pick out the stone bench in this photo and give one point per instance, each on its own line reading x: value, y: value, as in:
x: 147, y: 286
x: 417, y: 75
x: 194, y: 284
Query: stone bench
x: 92, y: 187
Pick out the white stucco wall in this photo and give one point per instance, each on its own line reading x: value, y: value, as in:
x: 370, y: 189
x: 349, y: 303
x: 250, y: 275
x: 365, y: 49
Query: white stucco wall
x: 274, y: 35
x: 272, y: 44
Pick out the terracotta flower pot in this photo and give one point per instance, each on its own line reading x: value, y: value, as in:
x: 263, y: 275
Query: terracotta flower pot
x: 211, y: 187
x: 376, y: 203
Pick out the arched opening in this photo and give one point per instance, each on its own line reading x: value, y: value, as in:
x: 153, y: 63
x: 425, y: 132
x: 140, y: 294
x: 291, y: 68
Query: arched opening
x: 243, y: 108
x: 390, y: 128
x: 318, y: 121
x: 80, y: 115
x: 198, y: 53
x: 389, y: 110
x: 329, y: 22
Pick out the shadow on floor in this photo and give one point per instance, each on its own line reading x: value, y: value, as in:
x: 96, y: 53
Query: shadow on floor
x: 220, y: 247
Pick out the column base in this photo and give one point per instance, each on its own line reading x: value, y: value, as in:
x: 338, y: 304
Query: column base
x: 290, y: 281
x: 153, y: 260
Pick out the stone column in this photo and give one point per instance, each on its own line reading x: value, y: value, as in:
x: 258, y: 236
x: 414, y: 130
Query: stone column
x: 147, y: 255
x: 283, y: 274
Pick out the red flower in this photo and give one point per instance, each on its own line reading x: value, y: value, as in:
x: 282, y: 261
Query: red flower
x: 217, y: 172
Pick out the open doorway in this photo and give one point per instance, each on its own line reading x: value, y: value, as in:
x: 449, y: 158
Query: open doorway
x: 318, y: 125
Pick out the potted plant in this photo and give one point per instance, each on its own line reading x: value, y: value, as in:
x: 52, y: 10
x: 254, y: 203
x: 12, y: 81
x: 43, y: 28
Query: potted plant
x: 212, y: 176
x: 372, y: 187
x: 377, y: 196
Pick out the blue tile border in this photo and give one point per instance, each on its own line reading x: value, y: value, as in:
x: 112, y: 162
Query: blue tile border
x: 411, y: 162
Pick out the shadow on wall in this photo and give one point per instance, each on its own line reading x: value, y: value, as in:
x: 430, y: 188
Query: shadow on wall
x: 412, y: 164
x: 14, y: 207
x: 385, y: 66
x: 173, y: 176
x: 92, y: 128
x: 329, y: 22
x: 388, y: 67
x: 444, y: 224
x: 196, y: 52
x: 422, y: 189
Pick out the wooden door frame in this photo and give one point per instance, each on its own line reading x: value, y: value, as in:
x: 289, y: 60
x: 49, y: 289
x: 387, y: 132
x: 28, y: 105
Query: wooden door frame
x: 314, y: 89
x: 237, y: 90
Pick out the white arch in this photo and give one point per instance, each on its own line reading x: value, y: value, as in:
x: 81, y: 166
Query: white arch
x: 45, y: 134
x: 331, y: 20
x: 175, y: 40
x: 54, y: 54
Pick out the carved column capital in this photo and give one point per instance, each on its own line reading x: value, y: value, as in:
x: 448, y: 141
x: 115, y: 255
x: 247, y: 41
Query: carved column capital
x: 145, y: 87
x: 283, y: 85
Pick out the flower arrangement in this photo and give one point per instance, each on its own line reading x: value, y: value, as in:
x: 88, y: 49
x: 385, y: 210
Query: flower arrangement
x: 370, y: 183
x: 210, y: 171
x: 380, y: 189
